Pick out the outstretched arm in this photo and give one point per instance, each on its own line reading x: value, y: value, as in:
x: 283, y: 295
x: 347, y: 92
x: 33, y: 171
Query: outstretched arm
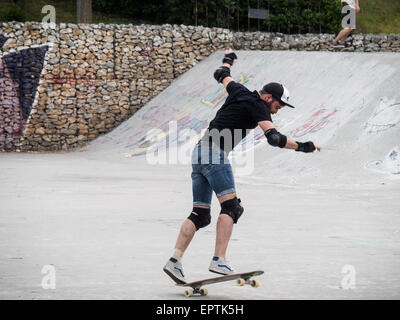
x: 277, y: 139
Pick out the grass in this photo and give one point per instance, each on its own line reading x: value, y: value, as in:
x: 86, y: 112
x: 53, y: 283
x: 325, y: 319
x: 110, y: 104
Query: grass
x: 376, y: 16
x: 379, y: 16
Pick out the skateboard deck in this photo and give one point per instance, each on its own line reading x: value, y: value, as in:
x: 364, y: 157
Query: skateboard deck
x: 241, y: 278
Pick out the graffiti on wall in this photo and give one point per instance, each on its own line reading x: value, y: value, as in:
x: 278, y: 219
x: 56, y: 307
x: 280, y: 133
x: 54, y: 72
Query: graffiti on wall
x: 317, y: 121
x: 147, y: 52
x: 187, y: 125
x: 385, y: 116
x: 74, y: 79
x: 390, y: 164
x: 174, y: 131
x: 214, y: 98
x: 19, y: 80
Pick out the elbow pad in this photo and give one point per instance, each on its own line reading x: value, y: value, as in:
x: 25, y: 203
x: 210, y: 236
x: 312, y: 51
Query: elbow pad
x: 275, y: 138
x: 221, y: 73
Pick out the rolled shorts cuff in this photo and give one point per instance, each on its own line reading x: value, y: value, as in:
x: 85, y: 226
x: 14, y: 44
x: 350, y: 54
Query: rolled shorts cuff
x: 197, y: 203
x: 222, y: 193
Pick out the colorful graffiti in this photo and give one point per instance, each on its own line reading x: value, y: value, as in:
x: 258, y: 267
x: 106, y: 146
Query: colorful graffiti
x: 176, y: 130
x: 318, y: 120
x: 187, y: 126
x: 219, y: 95
x: 75, y: 80
x: 147, y: 52
x: 19, y: 80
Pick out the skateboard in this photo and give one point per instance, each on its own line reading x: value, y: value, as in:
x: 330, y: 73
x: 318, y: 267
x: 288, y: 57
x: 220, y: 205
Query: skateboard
x: 241, y: 279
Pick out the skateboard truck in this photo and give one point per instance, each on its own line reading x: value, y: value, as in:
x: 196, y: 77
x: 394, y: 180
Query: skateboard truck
x: 196, y: 290
x: 241, y: 280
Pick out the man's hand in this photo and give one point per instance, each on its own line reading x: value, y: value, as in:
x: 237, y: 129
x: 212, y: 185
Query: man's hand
x: 307, y: 147
x: 229, y: 57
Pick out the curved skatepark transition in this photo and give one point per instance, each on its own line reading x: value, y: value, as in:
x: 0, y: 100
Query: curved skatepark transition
x: 322, y: 226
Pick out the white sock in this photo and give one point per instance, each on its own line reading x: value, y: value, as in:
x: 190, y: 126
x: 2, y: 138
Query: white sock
x: 178, y: 254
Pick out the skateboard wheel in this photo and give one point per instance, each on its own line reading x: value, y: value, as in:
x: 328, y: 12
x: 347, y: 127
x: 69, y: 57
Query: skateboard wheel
x: 189, y: 293
x: 255, y: 283
x: 240, y: 282
x: 203, y: 292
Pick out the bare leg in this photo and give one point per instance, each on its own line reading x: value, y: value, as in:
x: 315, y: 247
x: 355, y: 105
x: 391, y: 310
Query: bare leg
x: 224, y: 232
x: 224, y: 229
x: 341, y: 37
x: 186, y: 234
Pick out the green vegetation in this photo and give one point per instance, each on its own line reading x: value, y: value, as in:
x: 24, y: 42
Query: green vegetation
x: 14, y: 13
x: 65, y: 11
x: 379, y: 16
x: 287, y: 16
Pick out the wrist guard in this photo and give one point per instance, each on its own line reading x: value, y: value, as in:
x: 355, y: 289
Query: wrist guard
x: 229, y: 58
x: 221, y: 73
x: 275, y: 138
x: 306, y: 146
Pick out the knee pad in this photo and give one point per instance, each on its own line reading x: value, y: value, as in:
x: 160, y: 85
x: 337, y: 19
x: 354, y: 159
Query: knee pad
x: 201, y: 217
x: 232, y: 208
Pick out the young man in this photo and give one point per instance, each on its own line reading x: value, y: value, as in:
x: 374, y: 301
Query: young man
x: 242, y: 111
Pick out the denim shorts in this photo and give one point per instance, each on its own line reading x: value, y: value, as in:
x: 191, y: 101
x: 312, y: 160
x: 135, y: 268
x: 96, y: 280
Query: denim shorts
x: 211, y: 172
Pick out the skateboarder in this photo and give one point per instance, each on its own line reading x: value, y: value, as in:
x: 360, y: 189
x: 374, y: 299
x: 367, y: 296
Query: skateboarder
x: 242, y: 111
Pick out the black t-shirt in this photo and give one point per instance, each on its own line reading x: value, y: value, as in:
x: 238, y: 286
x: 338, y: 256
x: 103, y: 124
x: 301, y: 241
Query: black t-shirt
x: 240, y: 113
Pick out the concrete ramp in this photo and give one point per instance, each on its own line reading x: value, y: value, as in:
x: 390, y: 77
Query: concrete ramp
x: 349, y: 103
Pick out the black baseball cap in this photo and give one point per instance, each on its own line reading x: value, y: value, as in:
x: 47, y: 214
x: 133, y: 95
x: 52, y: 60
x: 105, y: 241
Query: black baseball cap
x: 279, y: 92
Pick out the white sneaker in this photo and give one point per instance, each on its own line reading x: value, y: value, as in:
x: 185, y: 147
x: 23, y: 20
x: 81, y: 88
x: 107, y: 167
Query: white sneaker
x: 174, y: 269
x: 221, y: 266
